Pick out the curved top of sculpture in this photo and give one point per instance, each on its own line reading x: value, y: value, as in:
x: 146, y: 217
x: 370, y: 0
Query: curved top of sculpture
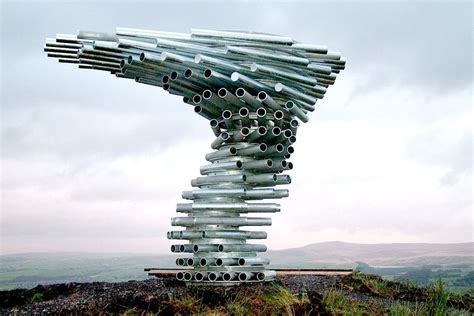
x: 253, y: 88
x: 212, y: 70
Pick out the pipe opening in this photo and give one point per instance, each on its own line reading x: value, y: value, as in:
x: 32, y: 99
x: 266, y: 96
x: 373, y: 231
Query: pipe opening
x: 227, y: 114
x: 244, y: 112
x: 227, y: 276
x: 245, y: 131
x: 293, y: 139
x: 214, y: 123
x: 185, y: 99
x: 233, y: 150
x: 142, y: 56
x: 284, y: 163
x: 225, y: 136
x: 288, y: 133
x: 261, y: 112
x: 190, y: 262
x: 196, y: 248
x: 241, y: 262
x: 173, y: 248
x: 269, y: 162
x: 180, y: 234
x: 207, y: 94
x: 275, y: 177
x: 290, y: 165
x: 207, y: 73
x: 263, y: 147
x: 289, y: 105
x: 262, y: 95
x: 187, y: 276
x: 198, y: 109
x: 243, y: 277
x: 188, y: 73
x: 288, y: 179
x: 180, y: 276
x: 165, y: 79
x: 166, y: 87
x: 174, y: 75
x: 212, y: 276
x: 240, y: 92
x: 294, y: 123
x: 290, y: 149
x: 122, y: 63
x: 262, y: 130
x: 279, y: 147
x: 181, y: 248
x: 219, y: 262
x: 238, y: 164
x: 244, y: 178
x: 276, y: 130
x: 278, y: 115
x: 222, y: 92
x: 130, y: 59
x: 203, y: 262
x: 260, y: 276
x: 197, y: 99
x: 199, y: 276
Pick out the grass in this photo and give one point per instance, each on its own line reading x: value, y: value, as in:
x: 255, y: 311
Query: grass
x: 186, y: 304
x: 357, y: 294
x: 37, y: 297
x: 437, y: 299
x: 337, y: 304
x: 283, y: 300
x: 238, y: 305
x: 408, y: 309
x: 379, y: 286
x: 272, y: 300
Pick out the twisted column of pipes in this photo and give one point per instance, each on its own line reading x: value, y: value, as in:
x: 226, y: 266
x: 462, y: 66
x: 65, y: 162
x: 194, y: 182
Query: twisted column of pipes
x: 254, y: 89
x: 251, y: 151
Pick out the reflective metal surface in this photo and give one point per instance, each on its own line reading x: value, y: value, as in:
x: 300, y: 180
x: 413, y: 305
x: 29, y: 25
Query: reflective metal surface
x: 255, y: 89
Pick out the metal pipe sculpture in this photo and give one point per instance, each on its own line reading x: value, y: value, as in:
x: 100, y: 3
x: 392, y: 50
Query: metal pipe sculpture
x: 254, y: 89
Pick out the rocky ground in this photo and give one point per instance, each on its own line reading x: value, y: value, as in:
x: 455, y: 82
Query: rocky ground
x: 324, y: 295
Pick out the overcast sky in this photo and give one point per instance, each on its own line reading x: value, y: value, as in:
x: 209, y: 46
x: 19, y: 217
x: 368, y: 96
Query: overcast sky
x: 94, y: 163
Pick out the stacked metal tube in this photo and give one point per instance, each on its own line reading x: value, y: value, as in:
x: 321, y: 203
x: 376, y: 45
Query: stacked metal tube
x: 254, y: 89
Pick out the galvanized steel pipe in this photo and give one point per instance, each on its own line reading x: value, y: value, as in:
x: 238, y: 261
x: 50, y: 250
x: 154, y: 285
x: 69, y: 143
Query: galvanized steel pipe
x: 255, y: 89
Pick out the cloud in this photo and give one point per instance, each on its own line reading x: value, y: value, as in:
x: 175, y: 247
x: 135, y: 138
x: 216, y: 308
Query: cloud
x: 446, y: 144
x: 387, y: 156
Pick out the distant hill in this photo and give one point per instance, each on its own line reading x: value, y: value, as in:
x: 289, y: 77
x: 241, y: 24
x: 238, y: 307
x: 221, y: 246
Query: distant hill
x: 396, y: 254
x: 28, y: 270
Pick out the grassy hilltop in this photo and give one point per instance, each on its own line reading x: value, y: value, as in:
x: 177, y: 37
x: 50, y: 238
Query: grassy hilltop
x: 355, y: 294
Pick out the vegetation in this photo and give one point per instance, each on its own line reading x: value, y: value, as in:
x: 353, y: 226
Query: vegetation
x: 274, y: 299
x: 37, y: 297
x: 337, y: 304
x: 408, y: 309
x: 355, y: 294
x: 282, y: 300
x: 458, y: 278
x: 437, y: 302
